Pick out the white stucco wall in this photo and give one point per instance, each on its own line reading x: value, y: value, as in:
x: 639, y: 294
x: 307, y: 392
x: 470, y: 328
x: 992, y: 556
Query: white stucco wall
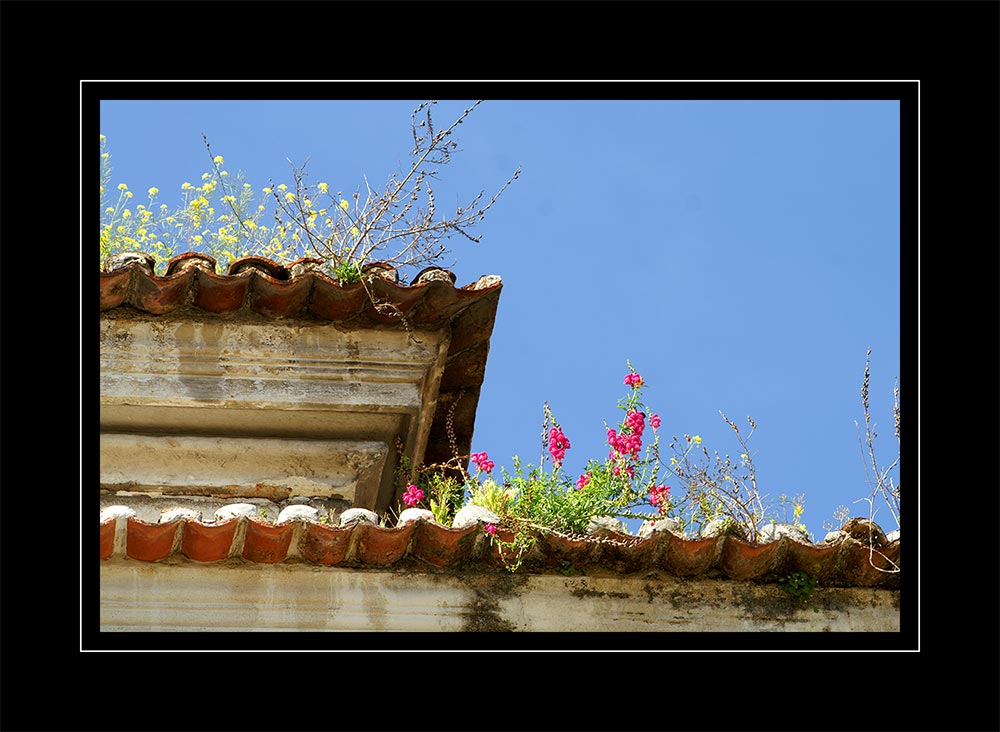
x: 240, y: 596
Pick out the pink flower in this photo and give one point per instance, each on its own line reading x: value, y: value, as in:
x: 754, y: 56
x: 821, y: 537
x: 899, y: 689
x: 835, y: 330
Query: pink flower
x: 558, y: 445
x: 482, y: 461
x: 583, y: 481
x: 629, y: 442
x: 413, y: 495
x: 658, y: 497
x: 654, y: 421
x: 633, y: 380
x: 490, y: 529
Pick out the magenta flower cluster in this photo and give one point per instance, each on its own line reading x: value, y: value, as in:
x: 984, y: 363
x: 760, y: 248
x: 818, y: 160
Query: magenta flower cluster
x: 623, y: 461
x: 413, y: 495
x: 482, y: 461
x: 626, y: 446
x: 633, y: 380
x: 658, y: 497
x: 629, y: 442
x: 558, y: 445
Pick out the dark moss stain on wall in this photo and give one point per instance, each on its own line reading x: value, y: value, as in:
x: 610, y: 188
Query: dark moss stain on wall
x: 484, y: 615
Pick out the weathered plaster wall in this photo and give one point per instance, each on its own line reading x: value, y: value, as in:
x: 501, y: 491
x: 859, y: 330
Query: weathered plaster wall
x: 259, y: 467
x: 239, y: 596
x: 245, y: 407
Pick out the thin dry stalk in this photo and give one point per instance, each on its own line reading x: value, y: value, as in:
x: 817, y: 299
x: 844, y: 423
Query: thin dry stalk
x: 880, y: 482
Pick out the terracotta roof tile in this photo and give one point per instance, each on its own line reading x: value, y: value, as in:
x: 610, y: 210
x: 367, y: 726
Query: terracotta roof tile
x: 844, y: 563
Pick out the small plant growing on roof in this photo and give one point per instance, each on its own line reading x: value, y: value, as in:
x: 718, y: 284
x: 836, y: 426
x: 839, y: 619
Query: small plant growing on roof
x: 398, y: 223
x: 630, y: 483
x: 799, y: 587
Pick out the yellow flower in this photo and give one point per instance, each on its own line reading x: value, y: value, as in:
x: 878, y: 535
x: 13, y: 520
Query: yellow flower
x: 128, y: 194
x: 218, y: 160
x: 282, y: 187
x: 344, y: 204
x: 153, y: 191
x: 323, y: 187
x: 103, y: 138
x: 265, y: 190
x: 289, y: 197
x: 697, y: 439
x: 122, y: 187
x: 105, y: 155
x: 126, y: 213
x: 186, y: 186
x: 206, y: 176
x: 354, y: 231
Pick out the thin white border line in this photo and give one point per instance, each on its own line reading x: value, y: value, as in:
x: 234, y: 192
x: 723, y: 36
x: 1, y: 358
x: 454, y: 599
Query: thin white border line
x: 756, y: 81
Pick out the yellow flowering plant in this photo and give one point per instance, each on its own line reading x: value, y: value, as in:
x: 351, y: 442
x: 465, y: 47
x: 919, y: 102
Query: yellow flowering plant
x: 225, y: 217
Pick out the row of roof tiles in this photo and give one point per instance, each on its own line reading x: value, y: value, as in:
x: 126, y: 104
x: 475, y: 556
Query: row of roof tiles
x: 843, y: 560
x: 275, y: 290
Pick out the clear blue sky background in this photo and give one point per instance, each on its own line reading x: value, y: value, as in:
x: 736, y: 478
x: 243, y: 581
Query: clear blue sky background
x: 742, y: 254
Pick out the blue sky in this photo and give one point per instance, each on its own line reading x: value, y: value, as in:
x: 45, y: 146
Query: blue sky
x: 742, y: 254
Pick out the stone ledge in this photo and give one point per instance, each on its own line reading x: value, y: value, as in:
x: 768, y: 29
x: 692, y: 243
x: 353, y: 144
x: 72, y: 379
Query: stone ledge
x: 240, y: 597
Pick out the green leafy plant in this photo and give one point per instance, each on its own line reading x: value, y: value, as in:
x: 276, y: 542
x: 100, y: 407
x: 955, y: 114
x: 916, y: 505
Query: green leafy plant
x: 347, y: 273
x: 630, y: 483
x: 627, y: 483
x: 445, y: 496
x: 799, y: 587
